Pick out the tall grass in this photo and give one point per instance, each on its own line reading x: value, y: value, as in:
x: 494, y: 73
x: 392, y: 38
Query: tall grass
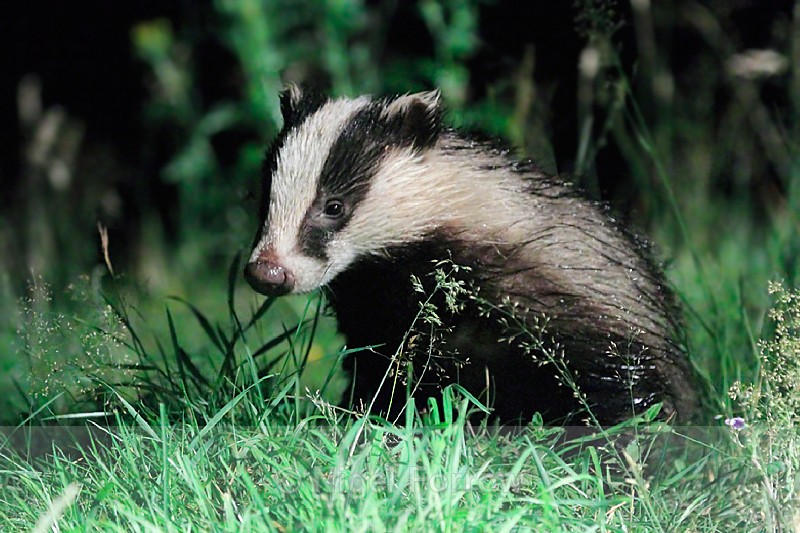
x: 253, y: 451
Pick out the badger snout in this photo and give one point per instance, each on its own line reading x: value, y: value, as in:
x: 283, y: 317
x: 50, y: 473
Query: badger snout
x: 269, y: 278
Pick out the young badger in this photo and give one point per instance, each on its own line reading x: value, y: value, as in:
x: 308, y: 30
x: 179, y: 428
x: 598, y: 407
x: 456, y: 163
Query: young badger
x: 362, y: 193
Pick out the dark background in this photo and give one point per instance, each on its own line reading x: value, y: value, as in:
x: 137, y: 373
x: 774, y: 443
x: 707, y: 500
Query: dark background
x: 82, y: 54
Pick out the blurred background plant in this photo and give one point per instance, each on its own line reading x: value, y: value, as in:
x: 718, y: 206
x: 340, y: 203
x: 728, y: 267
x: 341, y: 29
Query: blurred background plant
x: 682, y: 115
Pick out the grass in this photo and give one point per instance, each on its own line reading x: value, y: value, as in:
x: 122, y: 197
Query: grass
x: 330, y: 473
x: 257, y: 450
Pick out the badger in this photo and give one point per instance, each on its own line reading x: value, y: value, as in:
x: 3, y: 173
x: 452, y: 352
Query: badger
x: 569, y: 314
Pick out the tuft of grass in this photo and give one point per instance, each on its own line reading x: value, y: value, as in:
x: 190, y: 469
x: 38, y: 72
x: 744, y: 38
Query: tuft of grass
x: 236, y: 355
x: 266, y: 455
x: 768, y: 433
x: 328, y: 471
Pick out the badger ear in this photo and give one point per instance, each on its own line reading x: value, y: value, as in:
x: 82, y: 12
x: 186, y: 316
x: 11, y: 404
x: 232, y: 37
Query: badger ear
x: 290, y: 98
x: 417, y: 116
x: 298, y: 102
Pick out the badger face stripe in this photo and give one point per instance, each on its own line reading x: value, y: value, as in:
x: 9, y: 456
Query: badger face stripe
x: 294, y: 112
x: 356, y: 156
x: 297, y: 166
x: 330, y: 154
x: 367, y: 138
x: 348, y: 170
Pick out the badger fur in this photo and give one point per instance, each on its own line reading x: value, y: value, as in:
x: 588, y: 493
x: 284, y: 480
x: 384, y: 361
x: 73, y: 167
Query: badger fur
x: 361, y: 194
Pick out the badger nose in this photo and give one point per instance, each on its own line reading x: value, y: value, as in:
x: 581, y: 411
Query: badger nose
x: 269, y: 278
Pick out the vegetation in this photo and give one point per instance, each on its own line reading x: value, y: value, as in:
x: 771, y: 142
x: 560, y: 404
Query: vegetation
x: 150, y: 390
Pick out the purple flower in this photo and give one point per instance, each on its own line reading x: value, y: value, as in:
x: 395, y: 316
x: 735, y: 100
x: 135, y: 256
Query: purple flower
x: 737, y: 423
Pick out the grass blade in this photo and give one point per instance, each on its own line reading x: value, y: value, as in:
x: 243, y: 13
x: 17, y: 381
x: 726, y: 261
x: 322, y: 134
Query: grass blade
x: 204, y: 323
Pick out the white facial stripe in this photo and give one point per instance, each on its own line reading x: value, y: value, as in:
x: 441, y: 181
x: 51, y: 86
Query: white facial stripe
x: 413, y: 194
x: 294, y: 186
x: 396, y: 209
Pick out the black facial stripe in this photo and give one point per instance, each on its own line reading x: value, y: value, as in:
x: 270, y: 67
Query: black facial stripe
x: 314, y: 240
x: 365, y: 139
x: 346, y: 175
x: 355, y: 158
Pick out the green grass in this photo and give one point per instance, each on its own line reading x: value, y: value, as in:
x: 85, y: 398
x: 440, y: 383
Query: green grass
x: 250, y: 468
x: 257, y: 450
x: 332, y: 473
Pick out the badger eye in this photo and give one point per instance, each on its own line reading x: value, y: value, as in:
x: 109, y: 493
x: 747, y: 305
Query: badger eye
x: 334, y: 208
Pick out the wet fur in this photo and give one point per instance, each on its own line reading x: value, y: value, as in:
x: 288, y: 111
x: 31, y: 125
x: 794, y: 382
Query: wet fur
x: 531, y: 241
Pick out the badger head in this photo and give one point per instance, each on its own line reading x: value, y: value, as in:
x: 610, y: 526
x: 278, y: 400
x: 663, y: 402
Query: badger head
x: 344, y: 180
